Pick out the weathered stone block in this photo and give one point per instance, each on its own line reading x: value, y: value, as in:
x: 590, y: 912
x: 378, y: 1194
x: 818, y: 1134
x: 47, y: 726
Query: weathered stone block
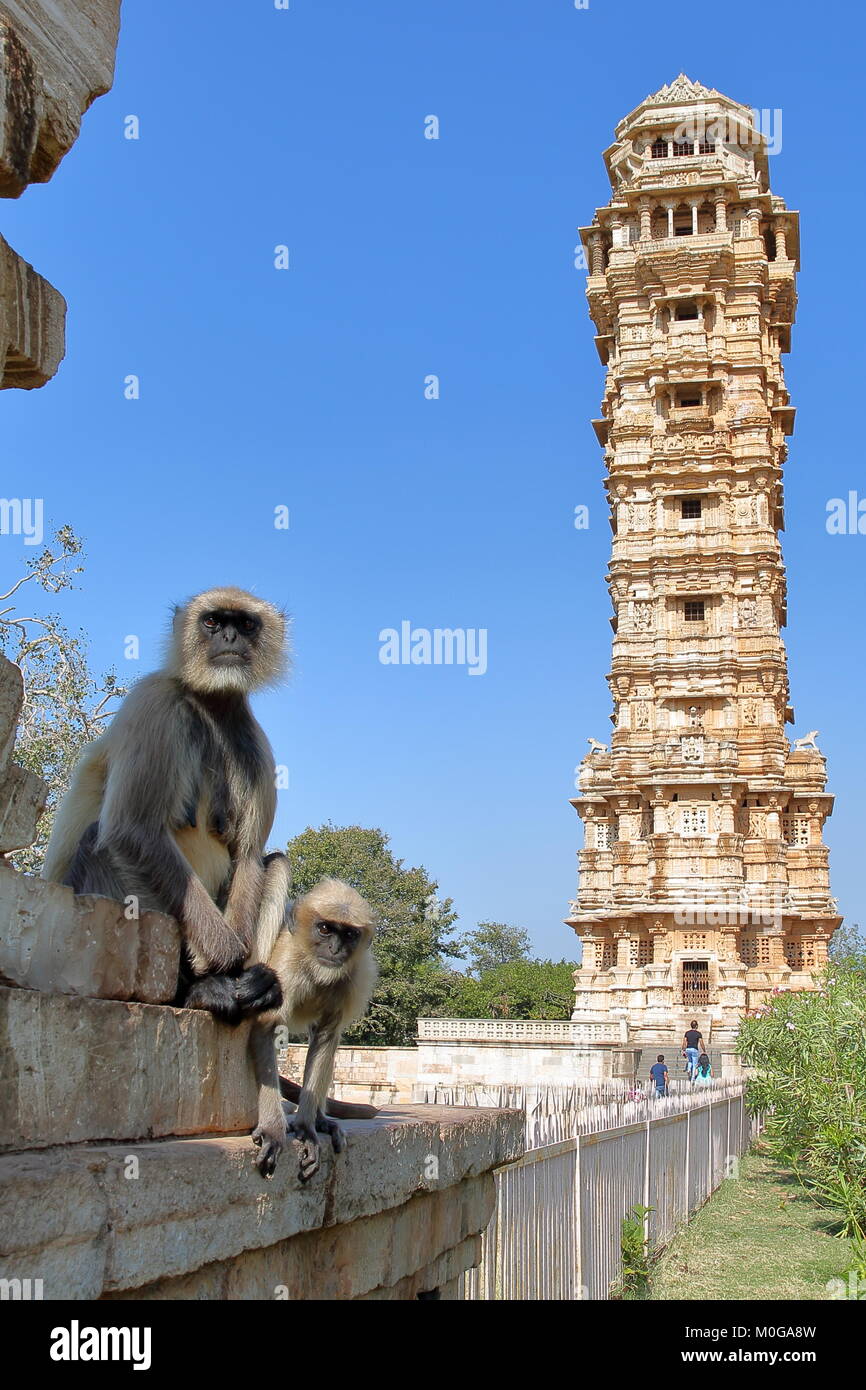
x: 11, y: 700
x: 56, y: 57
x: 22, y: 801
x: 75, y: 1069
x: 32, y: 323
x: 398, y: 1212
x: 54, y: 941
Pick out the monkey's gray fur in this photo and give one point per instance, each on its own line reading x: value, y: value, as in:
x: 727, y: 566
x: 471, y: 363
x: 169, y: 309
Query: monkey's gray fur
x: 174, y: 803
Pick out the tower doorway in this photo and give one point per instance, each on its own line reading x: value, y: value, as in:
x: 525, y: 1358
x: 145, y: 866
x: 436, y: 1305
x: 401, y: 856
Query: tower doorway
x: 696, y: 984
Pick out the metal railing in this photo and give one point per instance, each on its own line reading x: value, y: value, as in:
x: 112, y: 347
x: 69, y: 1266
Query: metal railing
x: 556, y: 1232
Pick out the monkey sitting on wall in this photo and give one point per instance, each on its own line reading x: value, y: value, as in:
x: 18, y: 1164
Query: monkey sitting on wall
x: 327, y: 973
x: 173, y: 804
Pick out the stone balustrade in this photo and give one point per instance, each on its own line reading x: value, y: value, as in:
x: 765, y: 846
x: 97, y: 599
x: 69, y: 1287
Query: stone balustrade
x: 519, y: 1030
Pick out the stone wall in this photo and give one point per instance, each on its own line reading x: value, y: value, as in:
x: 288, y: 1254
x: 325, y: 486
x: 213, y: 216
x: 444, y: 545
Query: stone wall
x: 383, y: 1075
x: 400, y: 1213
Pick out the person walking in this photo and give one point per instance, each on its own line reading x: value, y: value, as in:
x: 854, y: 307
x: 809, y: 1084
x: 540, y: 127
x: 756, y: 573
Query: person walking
x: 704, y: 1074
x: 659, y: 1075
x: 693, y: 1046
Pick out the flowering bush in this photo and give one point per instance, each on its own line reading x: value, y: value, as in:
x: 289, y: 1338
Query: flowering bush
x: 809, y: 1054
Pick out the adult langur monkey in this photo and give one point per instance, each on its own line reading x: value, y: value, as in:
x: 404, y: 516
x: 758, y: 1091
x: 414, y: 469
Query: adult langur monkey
x: 326, y: 970
x: 173, y: 804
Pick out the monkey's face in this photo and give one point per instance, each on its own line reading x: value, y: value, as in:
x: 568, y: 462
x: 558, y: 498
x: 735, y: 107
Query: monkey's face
x: 230, y: 641
x: 334, y: 943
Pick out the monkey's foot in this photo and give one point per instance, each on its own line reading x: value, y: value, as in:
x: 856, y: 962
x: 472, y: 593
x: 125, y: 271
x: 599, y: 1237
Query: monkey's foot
x: 257, y: 990
x: 337, y: 1133
x: 309, y: 1153
x: 270, y: 1144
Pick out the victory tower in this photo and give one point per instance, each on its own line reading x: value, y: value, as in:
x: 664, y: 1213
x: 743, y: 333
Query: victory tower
x: 704, y: 880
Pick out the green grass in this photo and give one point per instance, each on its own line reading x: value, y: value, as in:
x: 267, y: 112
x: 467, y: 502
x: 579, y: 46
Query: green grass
x: 760, y: 1236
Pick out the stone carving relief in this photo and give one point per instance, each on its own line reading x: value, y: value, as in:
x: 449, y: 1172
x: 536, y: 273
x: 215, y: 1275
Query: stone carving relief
x: 693, y: 750
x: 642, y: 610
x: 744, y: 511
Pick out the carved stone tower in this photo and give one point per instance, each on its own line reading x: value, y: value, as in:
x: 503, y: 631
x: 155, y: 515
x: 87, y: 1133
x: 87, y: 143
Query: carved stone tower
x: 704, y: 880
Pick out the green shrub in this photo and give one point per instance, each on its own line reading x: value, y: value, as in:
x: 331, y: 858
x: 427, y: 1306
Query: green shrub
x: 809, y: 1054
x: 633, y: 1282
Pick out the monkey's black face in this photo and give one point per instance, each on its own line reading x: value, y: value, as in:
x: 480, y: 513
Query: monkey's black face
x: 334, y: 943
x: 231, y: 637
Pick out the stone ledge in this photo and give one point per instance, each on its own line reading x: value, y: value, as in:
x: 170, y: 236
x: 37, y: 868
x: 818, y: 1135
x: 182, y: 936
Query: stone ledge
x: 400, y: 1208
x: 74, y: 1070
x: 55, y: 941
x: 56, y: 57
x: 32, y: 324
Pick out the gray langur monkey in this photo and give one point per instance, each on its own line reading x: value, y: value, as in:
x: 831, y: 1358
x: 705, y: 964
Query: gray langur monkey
x: 327, y: 973
x: 173, y: 804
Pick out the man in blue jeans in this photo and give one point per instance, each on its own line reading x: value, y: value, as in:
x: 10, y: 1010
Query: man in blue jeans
x: 693, y: 1046
x: 659, y: 1074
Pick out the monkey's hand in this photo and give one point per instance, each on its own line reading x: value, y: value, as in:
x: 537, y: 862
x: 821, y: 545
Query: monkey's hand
x: 270, y: 1142
x: 231, y: 998
x: 257, y: 989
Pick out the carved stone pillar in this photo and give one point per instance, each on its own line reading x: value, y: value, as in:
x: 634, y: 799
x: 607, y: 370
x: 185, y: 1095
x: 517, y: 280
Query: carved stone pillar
x: 596, y: 249
x: 721, y: 210
x: 781, y: 244
x: 659, y: 804
x: 773, y: 822
x: 659, y: 937
x: 646, y: 218
x: 623, y: 948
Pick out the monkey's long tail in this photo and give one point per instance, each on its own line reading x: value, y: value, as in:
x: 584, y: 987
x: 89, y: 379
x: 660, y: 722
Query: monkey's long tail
x: 337, y: 1109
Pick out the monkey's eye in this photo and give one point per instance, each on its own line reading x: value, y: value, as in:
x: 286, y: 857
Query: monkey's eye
x: 323, y: 929
x: 248, y: 625
x: 351, y: 934
x: 210, y: 622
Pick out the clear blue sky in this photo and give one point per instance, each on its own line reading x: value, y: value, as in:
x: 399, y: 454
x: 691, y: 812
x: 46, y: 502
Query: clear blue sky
x: 305, y: 387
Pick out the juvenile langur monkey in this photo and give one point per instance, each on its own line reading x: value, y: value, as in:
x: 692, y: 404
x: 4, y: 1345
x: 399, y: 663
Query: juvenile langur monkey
x: 323, y: 962
x: 173, y: 804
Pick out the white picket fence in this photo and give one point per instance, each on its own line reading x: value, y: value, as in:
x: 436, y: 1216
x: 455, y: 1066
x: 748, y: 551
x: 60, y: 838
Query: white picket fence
x: 557, y: 1228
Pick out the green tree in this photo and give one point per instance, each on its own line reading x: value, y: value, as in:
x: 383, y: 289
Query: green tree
x: 848, y: 944
x: 413, y: 925
x: 517, y: 989
x: 65, y: 707
x: 494, y: 943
